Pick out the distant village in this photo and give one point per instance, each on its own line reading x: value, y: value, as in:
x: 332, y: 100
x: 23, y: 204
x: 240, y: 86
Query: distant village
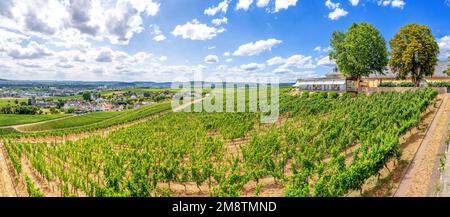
x: 77, y: 101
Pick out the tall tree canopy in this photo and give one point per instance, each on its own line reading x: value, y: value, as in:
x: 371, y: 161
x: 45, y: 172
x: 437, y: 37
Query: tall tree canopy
x: 360, y: 51
x: 414, y: 52
x: 87, y: 96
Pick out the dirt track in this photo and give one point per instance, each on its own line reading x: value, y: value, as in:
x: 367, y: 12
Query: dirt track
x: 16, y: 127
x: 6, y: 184
x: 418, y: 178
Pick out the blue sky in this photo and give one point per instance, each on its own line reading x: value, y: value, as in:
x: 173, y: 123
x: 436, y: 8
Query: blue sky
x: 164, y: 40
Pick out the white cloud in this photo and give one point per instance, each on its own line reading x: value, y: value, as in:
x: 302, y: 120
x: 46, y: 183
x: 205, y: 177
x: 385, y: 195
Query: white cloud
x: 219, y: 22
x: 243, y: 4
x: 337, y: 12
x: 105, y: 55
x: 262, y: 3
x: 284, y: 4
x: 444, y: 47
x: 116, y: 20
x: 64, y: 65
x: 398, y: 3
x: 29, y: 64
x: 251, y: 49
x: 291, y: 64
x: 227, y: 54
x: 159, y: 38
x: 228, y: 60
x: 33, y: 50
x: 298, y: 61
x: 275, y: 61
x: 156, y: 32
x: 124, y: 20
x: 321, y: 49
x: 163, y: 58
x: 278, y: 5
x: 393, y: 3
x: 11, y: 40
x: 136, y: 58
x: 5, y: 8
x: 325, y: 61
x: 354, y: 2
x: 252, y: 67
x: 331, y: 5
x: 211, y: 59
x: 85, y: 16
x: 221, y: 7
x: 77, y: 65
x: 79, y: 58
x: 196, y: 31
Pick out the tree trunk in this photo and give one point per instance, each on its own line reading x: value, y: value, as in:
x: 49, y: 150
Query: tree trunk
x: 417, y: 77
x: 417, y: 83
x: 358, y: 84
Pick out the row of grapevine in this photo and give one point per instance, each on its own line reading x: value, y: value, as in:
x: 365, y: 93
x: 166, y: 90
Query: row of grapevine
x: 326, y: 146
x: 124, y: 117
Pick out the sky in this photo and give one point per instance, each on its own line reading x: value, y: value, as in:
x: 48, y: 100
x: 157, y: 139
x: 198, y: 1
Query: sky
x: 170, y: 40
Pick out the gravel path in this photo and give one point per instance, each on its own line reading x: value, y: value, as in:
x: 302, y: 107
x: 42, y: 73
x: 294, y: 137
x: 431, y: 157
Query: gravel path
x: 6, y: 185
x: 418, y: 178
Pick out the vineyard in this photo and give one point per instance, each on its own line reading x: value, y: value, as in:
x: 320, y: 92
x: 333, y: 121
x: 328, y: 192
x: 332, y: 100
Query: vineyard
x: 83, y: 124
x: 75, y: 121
x: 322, y: 145
x: 13, y: 119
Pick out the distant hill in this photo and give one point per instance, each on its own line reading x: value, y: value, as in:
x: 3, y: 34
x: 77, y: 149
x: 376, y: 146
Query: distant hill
x: 93, y: 84
x: 81, y: 84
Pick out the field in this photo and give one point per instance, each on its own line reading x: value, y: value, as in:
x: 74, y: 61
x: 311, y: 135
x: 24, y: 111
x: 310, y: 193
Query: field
x: 75, y: 121
x: 322, y: 145
x: 12, y: 119
x: 56, y: 98
x: 80, y: 124
x: 11, y: 101
x: 139, y: 90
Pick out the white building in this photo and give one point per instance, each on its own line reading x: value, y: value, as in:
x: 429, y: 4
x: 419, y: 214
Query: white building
x: 332, y: 81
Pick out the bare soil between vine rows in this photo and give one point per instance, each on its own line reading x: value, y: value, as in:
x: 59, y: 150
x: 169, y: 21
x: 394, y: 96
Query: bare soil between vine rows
x: 386, y: 184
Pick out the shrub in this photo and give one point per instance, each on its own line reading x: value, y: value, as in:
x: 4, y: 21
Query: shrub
x: 406, y: 84
x: 304, y: 94
x: 439, y: 84
x: 323, y: 95
x: 388, y: 84
x: 333, y: 95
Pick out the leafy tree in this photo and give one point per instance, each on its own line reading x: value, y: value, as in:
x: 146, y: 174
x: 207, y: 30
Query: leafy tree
x: 53, y: 111
x: 70, y: 110
x: 60, y: 104
x: 360, y: 51
x: 414, y: 52
x: 26, y: 110
x: 98, y: 95
x: 87, y: 96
